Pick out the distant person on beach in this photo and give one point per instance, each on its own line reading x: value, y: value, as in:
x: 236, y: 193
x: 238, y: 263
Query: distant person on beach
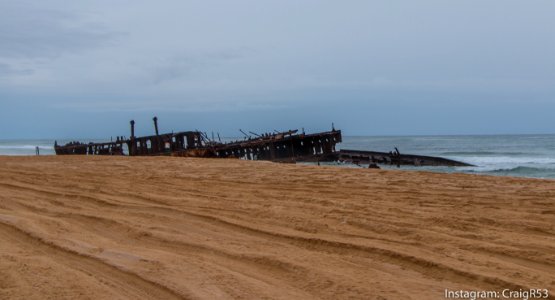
x: 397, y: 155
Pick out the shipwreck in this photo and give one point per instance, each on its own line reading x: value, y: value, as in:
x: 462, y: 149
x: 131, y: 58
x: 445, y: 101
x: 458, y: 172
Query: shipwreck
x: 287, y: 146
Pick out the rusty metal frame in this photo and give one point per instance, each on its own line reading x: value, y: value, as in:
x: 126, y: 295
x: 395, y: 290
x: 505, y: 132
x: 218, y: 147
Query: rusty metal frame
x: 286, y: 146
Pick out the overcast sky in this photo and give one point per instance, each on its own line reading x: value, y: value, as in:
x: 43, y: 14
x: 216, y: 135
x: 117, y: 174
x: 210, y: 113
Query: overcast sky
x: 85, y: 68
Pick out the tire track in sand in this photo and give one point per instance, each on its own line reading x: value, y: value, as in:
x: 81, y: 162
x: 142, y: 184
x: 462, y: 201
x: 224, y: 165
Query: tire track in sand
x: 418, y: 264
x: 127, y: 283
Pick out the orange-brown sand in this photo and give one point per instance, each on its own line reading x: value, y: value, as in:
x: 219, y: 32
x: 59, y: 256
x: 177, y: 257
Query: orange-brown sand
x: 165, y: 228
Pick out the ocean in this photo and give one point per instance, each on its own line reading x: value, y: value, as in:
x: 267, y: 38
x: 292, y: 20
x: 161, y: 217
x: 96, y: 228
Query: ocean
x: 505, y: 155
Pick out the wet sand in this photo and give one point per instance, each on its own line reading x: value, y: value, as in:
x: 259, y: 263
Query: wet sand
x: 165, y: 228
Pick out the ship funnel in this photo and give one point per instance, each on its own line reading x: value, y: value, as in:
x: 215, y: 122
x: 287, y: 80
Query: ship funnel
x: 132, y: 128
x: 155, y: 119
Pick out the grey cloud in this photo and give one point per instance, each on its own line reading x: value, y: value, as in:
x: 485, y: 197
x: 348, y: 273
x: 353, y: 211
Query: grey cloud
x: 7, y: 70
x: 177, y: 67
x: 29, y: 32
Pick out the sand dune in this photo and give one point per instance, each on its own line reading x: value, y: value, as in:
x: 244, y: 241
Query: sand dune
x: 165, y: 228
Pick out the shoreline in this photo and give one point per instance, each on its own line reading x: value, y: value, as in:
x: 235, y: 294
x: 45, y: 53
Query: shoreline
x: 346, y: 166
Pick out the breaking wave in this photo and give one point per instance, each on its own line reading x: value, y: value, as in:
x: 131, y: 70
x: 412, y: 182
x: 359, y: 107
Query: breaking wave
x: 521, y: 169
x: 505, y: 162
x: 525, y: 172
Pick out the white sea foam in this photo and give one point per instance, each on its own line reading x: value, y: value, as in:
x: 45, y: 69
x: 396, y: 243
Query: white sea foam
x: 25, y: 147
x: 484, y: 161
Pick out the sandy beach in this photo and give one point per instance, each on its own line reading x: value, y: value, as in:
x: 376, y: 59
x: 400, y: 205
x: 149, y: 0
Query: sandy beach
x: 178, y: 228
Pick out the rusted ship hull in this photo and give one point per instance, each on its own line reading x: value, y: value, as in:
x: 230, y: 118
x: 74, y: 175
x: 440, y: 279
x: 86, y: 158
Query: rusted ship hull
x: 283, y: 147
x: 78, y: 148
x: 358, y: 156
x: 287, y: 146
